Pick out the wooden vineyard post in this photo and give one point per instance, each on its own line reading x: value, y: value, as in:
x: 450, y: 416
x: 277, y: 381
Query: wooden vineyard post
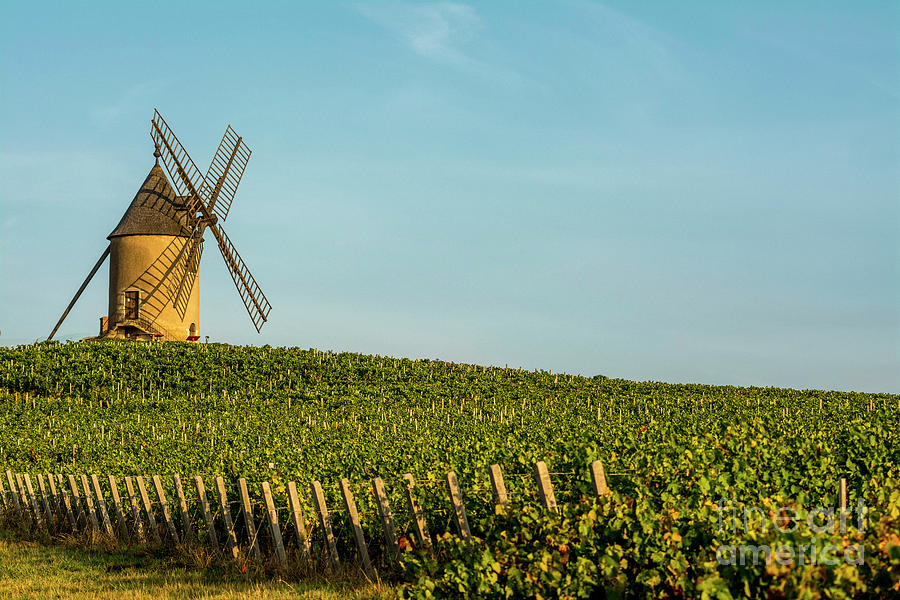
x: 545, y: 487
x: 55, y: 504
x: 67, y: 502
x: 18, y: 484
x: 272, y: 518
x: 48, y: 513
x: 459, y: 509
x: 359, y: 538
x: 598, y: 478
x: 148, y: 510
x: 186, y: 534
x: 299, y: 523
x: 841, y: 524
x: 5, y: 502
x: 53, y: 496
x: 500, y: 497
x: 23, y: 498
x: 135, y: 510
x: 387, y: 518
x: 325, y: 522
x: 247, y: 510
x: 230, y: 536
x: 38, y: 517
x: 13, y: 492
x: 71, y: 501
x: 89, y: 502
x: 117, y: 507
x: 167, y: 513
x: 101, y: 504
x: 207, y: 514
x: 415, y: 510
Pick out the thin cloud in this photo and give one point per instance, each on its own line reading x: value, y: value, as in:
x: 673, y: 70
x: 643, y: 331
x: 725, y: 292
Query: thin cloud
x: 446, y: 34
x: 437, y: 32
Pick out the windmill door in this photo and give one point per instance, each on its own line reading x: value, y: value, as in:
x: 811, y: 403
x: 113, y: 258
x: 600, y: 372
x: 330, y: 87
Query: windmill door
x: 131, y: 304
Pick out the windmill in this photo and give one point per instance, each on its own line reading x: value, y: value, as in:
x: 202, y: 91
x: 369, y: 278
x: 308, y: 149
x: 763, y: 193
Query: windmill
x: 155, y: 249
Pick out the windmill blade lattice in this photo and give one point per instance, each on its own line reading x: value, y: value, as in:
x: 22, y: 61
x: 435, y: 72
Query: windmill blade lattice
x: 225, y: 172
x: 186, y: 177
x: 255, y: 301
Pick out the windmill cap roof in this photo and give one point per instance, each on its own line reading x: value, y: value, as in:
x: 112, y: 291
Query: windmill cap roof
x: 154, y: 210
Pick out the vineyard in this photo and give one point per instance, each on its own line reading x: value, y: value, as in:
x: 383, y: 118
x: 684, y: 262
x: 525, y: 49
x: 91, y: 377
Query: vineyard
x: 672, y: 454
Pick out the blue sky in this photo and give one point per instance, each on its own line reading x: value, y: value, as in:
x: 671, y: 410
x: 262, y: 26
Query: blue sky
x: 694, y: 192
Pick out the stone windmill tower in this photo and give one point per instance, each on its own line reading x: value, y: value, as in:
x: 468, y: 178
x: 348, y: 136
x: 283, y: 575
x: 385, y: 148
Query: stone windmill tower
x: 155, y: 249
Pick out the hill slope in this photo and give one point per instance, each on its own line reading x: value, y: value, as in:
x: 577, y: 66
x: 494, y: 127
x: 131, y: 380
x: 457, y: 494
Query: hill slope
x: 302, y: 415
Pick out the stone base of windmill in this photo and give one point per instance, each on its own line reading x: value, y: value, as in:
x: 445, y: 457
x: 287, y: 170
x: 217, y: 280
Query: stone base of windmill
x: 141, y: 331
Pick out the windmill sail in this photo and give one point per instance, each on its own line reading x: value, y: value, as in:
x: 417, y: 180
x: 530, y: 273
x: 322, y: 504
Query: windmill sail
x: 225, y: 172
x: 255, y: 301
x: 185, y: 176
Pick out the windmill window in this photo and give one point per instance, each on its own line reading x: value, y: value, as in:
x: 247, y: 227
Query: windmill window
x: 132, y: 304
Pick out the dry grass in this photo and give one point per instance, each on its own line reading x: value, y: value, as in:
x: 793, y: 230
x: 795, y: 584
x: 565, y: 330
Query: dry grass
x: 78, y: 567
